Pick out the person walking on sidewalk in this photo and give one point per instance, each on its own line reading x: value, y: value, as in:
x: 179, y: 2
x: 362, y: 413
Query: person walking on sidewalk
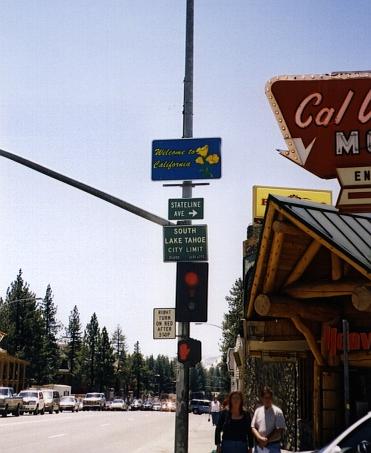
x: 268, y: 424
x: 215, y: 411
x: 235, y: 424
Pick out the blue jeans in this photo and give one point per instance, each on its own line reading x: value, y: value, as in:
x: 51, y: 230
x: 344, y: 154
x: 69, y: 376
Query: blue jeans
x: 215, y: 417
x: 274, y: 447
x: 234, y: 446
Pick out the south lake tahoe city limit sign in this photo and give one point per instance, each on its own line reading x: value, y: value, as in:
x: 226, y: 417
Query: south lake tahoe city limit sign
x: 325, y: 121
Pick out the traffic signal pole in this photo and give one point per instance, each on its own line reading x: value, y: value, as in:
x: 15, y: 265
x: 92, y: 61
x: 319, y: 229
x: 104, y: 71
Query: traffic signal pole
x: 182, y: 381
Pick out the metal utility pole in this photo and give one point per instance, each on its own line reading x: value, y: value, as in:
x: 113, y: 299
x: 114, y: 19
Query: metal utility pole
x: 182, y: 382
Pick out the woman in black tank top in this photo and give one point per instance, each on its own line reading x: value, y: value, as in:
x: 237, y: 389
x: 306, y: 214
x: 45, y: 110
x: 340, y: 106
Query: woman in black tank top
x: 233, y: 432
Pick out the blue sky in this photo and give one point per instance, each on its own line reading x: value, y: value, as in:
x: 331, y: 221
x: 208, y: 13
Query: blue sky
x: 85, y: 86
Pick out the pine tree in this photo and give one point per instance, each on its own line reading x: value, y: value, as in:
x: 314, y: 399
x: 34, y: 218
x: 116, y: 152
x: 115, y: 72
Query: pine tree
x: 89, y: 353
x: 121, y: 361
x: 105, y: 362
x: 23, y: 323
x: 73, y: 333
x: 197, y: 378
x: 51, y: 328
x: 231, y: 327
x: 137, y: 368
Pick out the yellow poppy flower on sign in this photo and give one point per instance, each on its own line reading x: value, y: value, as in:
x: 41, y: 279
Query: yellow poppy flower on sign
x: 212, y: 159
x: 202, y: 150
x: 199, y: 160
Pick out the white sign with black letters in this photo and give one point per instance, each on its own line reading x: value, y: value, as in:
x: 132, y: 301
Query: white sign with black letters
x: 164, y: 326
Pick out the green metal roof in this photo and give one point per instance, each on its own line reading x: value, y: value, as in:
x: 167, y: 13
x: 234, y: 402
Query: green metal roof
x: 349, y: 233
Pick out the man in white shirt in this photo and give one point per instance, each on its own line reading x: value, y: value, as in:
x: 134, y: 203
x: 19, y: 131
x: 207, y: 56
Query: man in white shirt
x: 268, y: 424
x: 215, y: 411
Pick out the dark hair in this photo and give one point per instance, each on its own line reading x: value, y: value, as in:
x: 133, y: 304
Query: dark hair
x: 231, y: 395
x: 266, y: 391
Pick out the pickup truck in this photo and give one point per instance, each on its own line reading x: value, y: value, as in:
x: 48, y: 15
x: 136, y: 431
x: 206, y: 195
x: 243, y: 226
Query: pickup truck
x: 9, y: 402
x: 95, y: 401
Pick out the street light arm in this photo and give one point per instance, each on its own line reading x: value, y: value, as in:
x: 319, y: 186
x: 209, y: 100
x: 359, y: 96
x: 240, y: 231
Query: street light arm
x: 209, y: 324
x: 86, y: 188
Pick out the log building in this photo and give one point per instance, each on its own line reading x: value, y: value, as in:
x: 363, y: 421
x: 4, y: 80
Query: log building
x: 313, y: 270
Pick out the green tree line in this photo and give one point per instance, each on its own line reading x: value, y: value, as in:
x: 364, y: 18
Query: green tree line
x: 89, y: 359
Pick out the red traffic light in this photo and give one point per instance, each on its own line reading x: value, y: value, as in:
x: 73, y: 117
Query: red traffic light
x: 191, y: 279
x: 191, y: 292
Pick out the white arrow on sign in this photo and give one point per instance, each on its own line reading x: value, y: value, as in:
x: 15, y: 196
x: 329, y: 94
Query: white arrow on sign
x: 193, y: 213
x: 302, y: 152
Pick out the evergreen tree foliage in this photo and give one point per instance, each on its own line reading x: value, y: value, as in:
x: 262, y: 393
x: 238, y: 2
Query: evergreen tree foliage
x: 105, y: 362
x: 51, y: 329
x: 197, y: 378
x: 121, y: 364
x: 231, y: 327
x: 22, y: 320
x: 137, y: 368
x: 89, y: 354
x: 74, y: 345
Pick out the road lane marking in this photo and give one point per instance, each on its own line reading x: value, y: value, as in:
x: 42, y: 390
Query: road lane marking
x: 56, y: 435
x: 28, y: 422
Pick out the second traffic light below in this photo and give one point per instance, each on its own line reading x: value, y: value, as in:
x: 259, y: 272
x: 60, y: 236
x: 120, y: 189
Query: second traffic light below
x: 189, y: 351
x: 191, y: 292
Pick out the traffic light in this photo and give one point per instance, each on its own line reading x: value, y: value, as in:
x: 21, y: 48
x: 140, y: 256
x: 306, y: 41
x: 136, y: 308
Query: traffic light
x: 191, y: 292
x: 189, y: 351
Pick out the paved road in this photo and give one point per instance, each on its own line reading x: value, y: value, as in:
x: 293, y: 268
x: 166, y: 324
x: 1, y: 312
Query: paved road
x: 103, y: 432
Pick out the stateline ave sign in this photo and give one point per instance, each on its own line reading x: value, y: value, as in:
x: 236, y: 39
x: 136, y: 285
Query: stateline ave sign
x: 186, y: 209
x: 325, y: 120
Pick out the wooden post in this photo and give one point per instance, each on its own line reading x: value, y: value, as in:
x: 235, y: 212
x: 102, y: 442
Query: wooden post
x: 361, y: 298
x: 303, y: 262
x: 298, y: 323
x: 326, y: 288
x: 336, y: 267
x: 317, y: 397
x: 272, y: 267
x: 2, y: 372
x: 285, y: 307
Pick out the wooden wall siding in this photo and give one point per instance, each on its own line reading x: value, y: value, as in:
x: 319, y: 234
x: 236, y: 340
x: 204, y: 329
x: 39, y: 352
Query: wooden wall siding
x: 332, y: 404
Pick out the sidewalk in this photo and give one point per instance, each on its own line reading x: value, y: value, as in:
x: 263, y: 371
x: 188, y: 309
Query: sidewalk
x: 201, y: 434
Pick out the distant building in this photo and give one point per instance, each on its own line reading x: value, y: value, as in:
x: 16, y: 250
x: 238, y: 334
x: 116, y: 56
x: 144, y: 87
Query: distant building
x: 12, y: 370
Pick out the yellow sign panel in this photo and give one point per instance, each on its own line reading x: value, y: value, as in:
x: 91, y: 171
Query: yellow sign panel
x: 261, y: 193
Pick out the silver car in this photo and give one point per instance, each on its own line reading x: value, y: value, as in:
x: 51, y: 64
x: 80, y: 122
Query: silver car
x: 69, y: 403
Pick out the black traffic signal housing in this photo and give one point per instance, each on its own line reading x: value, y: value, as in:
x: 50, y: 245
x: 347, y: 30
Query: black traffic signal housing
x: 191, y: 292
x: 189, y: 351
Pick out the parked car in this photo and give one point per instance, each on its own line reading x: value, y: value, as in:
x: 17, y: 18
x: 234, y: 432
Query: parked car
x: 119, y: 405
x: 355, y: 439
x: 199, y: 406
x: 10, y: 403
x: 108, y: 406
x: 156, y: 406
x: 95, y: 401
x: 69, y: 403
x: 136, y: 405
x: 51, y: 400
x: 147, y: 405
x: 33, y: 401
